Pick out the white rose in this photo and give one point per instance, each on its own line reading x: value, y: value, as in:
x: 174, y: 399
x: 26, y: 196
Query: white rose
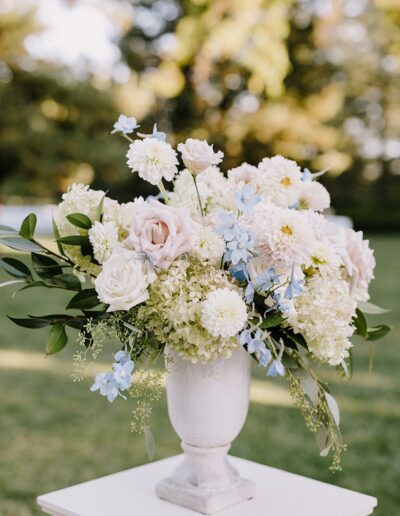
x: 124, y: 280
x: 161, y: 232
x: 199, y: 155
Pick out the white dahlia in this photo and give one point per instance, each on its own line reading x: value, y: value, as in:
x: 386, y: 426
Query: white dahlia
x: 359, y: 262
x: 153, y: 160
x: 245, y: 174
x: 223, y: 313
x: 282, y: 236
x: 314, y: 196
x: 104, y: 239
x: 281, y: 181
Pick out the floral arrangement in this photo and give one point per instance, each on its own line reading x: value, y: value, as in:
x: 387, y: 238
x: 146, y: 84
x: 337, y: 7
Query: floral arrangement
x: 217, y: 263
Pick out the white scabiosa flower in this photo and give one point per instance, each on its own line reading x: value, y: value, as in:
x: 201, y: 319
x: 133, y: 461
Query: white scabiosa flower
x: 282, y: 236
x: 104, y: 239
x: 314, y: 196
x: 223, y: 313
x: 208, y: 246
x: 281, y: 181
x: 199, y: 155
x: 153, y: 160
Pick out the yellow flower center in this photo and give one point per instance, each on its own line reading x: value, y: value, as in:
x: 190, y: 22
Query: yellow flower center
x: 287, y: 230
x: 286, y: 181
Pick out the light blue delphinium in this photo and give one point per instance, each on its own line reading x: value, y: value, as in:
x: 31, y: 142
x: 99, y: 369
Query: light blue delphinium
x: 246, y: 199
x: 111, y: 384
x: 276, y: 368
x: 106, y: 384
x: 294, y: 289
x: 125, y: 124
x: 306, y: 175
x: 255, y: 344
x: 158, y: 135
x: 238, y: 247
x: 266, y: 280
x: 249, y: 293
x: 279, y: 302
x: 227, y: 226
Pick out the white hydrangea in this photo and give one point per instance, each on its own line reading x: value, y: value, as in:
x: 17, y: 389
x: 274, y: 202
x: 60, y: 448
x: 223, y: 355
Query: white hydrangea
x: 314, y: 196
x: 223, y: 313
x: 78, y: 199
x: 153, y: 160
x: 173, y: 311
x: 208, y: 245
x: 282, y: 236
x: 324, y: 315
x: 104, y: 239
x: 198, y: 155
x: 281, y: 181
x: 215, y: 191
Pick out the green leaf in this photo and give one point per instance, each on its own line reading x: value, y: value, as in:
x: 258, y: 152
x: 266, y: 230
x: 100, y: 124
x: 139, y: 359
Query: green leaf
x: 56, y: 339
x: 310, y: 387
x: 67, y: 281
x: 99, y: 213
x: 74, y: 240
x: 45, y: 266
x: 149, y: 439
x: 377, y: 332
x: 321, y: 436
x: 360, y: 323
x: 19, y: 244
x: 15, y: 267
x: 333, y: 407
x: 84, y: 299
x: 80, y: 220
x: 351, y: 362
x: 297, y: 338
x: 28, y: 226
x: 30, y: 323
x: 7, y: 229
x: 370, y: 308
x: 12, y: 282
x: 57, y: 236
x: 271, y: 320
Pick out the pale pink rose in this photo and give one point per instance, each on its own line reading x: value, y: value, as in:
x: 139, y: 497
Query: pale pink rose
x: 359, y: 262
x: 199, y: 155
x: 161, y: 232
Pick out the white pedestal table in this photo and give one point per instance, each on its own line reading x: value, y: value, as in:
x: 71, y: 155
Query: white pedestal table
x: 278, y: 493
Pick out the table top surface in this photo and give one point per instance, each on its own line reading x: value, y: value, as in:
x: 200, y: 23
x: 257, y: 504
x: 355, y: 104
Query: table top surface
x: 278, y: 493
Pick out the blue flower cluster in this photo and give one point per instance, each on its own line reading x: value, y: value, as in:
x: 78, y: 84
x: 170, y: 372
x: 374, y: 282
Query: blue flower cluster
x: 119, y: 379
x: 262, y: 284
x: 125, y: 125
x: 238, y: 244
x: 255, y: 344
x: 246, y: 199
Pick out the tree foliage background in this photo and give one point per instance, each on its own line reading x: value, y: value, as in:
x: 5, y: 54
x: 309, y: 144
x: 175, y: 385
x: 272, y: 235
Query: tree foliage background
x: 316, y: 81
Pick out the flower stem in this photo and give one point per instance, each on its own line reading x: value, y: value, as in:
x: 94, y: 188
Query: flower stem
x: 198, y: 195
x: 127, y: 137
x: 163, y: 192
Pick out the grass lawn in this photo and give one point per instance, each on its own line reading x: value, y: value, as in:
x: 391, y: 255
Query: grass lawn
x: 55, y: 433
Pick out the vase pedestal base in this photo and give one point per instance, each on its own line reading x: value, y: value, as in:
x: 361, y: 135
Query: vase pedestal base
x: 205, y: 501
x: 205, y: 481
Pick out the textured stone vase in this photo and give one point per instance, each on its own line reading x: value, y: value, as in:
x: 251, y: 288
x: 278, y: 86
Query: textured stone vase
x: 207, y: 405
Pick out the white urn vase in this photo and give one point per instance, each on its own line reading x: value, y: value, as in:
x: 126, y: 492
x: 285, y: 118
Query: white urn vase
x: 207, y: 405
